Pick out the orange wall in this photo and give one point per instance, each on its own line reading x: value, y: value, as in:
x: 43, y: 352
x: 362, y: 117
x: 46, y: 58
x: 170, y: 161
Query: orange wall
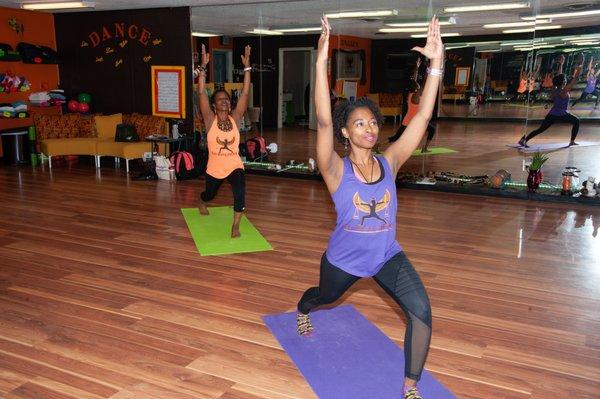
x: 39, y: 29
x: 353, y: 43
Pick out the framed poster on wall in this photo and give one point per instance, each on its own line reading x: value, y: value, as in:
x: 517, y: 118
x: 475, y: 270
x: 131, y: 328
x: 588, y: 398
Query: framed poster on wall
x: 462, y: 76
x: 168, y: 91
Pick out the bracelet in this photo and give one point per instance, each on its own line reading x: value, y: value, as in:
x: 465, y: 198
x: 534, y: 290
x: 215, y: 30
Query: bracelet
x: 435, y: 71
x: 248, y: 69
x: 202, y: 68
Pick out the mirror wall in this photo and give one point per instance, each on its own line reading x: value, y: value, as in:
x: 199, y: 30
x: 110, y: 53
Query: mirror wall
x: 496, y: 84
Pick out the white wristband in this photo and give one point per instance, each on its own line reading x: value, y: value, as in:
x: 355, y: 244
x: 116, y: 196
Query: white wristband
x: 435, y: 71
x: 247, y: 69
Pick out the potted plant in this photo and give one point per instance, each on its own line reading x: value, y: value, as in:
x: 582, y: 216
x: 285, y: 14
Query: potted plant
x: 535, y: 171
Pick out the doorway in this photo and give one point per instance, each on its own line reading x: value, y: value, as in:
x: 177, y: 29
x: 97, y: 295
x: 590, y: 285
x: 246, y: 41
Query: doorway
x: 295, y: 105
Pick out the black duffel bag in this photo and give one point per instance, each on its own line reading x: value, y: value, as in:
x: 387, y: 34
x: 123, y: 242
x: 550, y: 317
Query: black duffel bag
x: 126, y: 133
x: 34, y: 54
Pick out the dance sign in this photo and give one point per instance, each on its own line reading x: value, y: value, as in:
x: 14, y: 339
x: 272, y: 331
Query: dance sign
x: 168, y: 91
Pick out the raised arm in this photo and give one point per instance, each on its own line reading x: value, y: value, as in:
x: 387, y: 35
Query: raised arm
x: 242, y: 104
x: 329, y: 162
x: 401, y: 150
x: 205, y: 110
x: 561, y: 62
x: 576, y: 72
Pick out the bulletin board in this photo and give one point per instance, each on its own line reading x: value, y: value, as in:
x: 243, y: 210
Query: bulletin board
x: 168, y: 91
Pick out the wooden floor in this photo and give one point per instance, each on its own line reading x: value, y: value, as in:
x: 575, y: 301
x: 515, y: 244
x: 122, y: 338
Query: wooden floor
x: 517, y: 109
x: 103, y: 294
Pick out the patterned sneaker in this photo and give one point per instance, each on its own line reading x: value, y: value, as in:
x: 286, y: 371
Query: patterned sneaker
x: 303, y: 323
x: 412, y: 394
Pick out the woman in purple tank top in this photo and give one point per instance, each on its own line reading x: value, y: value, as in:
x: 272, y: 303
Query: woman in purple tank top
x: 558, y: 113
x: 591, y: 81
x: 363, y: 190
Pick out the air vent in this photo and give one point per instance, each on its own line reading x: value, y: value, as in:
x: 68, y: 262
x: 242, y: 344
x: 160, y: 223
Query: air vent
x: 579, y: 6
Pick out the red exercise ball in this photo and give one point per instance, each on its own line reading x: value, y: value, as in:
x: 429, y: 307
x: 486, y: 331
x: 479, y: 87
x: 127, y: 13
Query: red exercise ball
x: 83, y: 108
x: 73, y: 106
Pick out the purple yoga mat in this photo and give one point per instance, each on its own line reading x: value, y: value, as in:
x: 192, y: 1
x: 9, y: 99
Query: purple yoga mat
x: 348, y: 357
x: 533, y: 147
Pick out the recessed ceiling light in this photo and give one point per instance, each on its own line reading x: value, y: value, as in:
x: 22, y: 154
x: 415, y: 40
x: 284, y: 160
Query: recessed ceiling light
x: 563, y: 15
x: 452, y: 34
x: 362, y: 14
x: 307, y: 29
x: 449, y: 21
x: 585, y: 43
x: 453, y: 47
x: 60, y: 5
x: 517, y: 24
x: 487, y: 7
x: 204, y: 34
x: 532, y: 29
x: 396, y: 30
x: 256, y: 31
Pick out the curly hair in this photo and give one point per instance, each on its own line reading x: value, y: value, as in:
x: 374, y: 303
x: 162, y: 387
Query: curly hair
x: 559, y: 79
x: 343, y: 110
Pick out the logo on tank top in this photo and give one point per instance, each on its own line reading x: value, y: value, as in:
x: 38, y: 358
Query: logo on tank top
x: 374, y: 210
x: 225, y: 146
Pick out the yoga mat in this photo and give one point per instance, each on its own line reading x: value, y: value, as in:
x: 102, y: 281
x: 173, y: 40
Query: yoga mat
x: 348, y: 357
x: 433, y: 151
x: 212, y: 233
x: 525, y: 106
x: 551, y: 146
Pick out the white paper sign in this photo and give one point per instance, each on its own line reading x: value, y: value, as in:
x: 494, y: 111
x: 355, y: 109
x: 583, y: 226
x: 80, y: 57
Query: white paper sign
x: 168, y: 91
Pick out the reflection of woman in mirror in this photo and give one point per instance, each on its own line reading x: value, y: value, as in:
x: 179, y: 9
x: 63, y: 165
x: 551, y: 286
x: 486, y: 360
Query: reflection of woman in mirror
x: 407, y: 96
x: 371, y: 249
x: 223, y: 138
x: 558, y: 113
x: 522, y: 89
x: 590, y: 88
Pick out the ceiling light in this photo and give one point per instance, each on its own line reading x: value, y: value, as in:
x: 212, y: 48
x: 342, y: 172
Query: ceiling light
x: 58, y: 5
x: 443, y: 35
x: 585, y: 43
x: 546, y: 27
x: 396, y: 30
x: 361, y: 14
x: 516, y: 24
x: 307, y: 29
x: 489, y: 51
x: 563, y: 15
x: 487, y: 7
x: 204, y: 34
x: 450, y: 21
x: 515, y: 43
x: 582, y: 37
x: 453, y: 47
x: 256, y: 31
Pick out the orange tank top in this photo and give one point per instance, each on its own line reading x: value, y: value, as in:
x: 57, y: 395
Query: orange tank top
x: 411, y: 112
x: 223, y: 150
x: 531, y: 85
x: 522, y: 86
x: 548, y: 81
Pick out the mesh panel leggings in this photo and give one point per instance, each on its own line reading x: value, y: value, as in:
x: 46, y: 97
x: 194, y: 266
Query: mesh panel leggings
x: 401, y: 282
x: 238, y: 185
x: 551, y: 119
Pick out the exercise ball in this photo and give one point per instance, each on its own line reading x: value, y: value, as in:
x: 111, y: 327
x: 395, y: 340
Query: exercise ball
x: 84, y: 98
x: 83, y: 108
x: 73, y: 106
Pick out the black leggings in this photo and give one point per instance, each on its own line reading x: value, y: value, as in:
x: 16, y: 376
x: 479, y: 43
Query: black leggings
x: 549, y: 120
x: 237, y: 181
x: 584, y: 96
x: 400, y: 281
x: 430, y: 132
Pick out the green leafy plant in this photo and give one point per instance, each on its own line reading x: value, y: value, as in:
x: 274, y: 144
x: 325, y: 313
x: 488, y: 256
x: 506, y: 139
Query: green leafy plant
x: 537, y: 161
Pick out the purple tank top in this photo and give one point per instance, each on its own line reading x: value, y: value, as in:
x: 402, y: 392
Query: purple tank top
x: 591, y: 84
x: 560, y: 104
x: 365, y: 233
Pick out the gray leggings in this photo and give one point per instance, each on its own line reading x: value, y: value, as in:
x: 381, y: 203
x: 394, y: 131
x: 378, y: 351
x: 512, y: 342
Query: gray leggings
x: 400, y: 280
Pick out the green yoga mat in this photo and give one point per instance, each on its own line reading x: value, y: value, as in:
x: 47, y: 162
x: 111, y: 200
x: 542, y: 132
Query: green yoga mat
x: 212, y: 233
x: 434, y: 151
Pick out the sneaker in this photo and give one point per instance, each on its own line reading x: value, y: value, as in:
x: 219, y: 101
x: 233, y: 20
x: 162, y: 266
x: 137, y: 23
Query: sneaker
x: 304, y: 325
x: 523, y: 143
x: 412, y: 394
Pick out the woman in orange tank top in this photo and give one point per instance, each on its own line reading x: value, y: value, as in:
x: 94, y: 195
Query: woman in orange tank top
x: 223, y: 138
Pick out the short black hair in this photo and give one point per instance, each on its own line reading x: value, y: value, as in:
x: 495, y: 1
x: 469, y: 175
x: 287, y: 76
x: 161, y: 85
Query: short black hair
x: 343, y: 110
x: 212, y: 98
x: 559, y: 79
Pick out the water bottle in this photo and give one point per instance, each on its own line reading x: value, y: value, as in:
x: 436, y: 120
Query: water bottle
x: 175, y: 131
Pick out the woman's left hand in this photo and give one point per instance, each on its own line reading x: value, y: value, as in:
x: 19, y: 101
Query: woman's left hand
x: 246, y: 57
x: 434, y: 48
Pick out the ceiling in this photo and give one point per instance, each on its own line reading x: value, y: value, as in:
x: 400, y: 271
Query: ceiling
x: 235, y: 17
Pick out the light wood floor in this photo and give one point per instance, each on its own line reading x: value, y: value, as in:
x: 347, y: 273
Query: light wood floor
x: 103, y: 295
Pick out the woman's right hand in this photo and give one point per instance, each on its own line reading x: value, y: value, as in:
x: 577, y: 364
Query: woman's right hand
x: 323, y: 47
x: 205, y: 57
